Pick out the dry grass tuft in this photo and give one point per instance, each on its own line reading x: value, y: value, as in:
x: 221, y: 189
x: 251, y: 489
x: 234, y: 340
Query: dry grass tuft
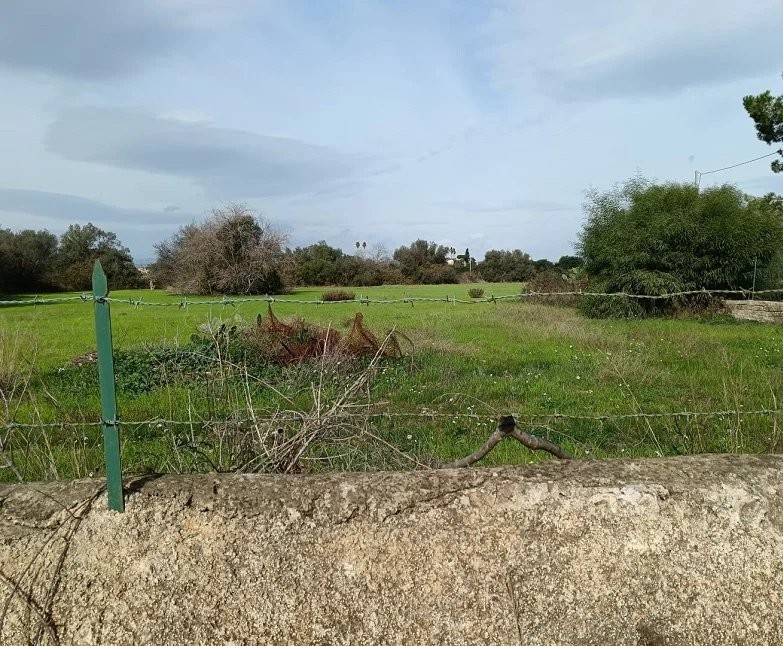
x: 338, y: 295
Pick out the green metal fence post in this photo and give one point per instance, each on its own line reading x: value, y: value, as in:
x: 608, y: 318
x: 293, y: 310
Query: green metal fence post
x: 111, y: 431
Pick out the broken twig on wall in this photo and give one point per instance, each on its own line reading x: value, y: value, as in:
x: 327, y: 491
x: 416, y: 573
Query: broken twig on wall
x: 507, y: 427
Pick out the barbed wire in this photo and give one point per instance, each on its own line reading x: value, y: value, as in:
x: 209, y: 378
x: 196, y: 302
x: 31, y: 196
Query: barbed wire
x: 226, y: 301
x: 529, y: 418
x: 47, y: 300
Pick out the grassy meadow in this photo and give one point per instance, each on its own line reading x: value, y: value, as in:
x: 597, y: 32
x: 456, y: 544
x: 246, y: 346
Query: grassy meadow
x: 480, y: 359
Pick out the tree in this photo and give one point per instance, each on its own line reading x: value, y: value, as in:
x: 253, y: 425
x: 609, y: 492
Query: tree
x: 79, y: 248
x: 319, y: 264
x: 543, y: 265
x: 26, y: 260
x: 232, y: 252
x: 767, y: 113
x: 425, y: 262
x: 654, y: 238
x: 567, y: 263
x: 500, y: 265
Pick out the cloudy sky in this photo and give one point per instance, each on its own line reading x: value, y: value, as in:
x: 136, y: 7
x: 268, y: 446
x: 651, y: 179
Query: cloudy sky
x: 478, y: 124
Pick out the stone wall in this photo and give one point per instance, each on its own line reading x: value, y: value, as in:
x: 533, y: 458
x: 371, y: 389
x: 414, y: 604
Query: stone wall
x: 656, y: 552
x: 763, y: 311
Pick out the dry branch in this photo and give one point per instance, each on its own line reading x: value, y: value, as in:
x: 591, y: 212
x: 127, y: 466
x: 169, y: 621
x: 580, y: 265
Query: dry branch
x: 507, y: 427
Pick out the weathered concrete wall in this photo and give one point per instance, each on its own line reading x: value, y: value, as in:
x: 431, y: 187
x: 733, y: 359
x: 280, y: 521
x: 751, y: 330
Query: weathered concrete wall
x: 658, y: 552
x: 763, y: 311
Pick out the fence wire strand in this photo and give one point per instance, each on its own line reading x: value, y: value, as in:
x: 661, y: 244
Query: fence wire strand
x: 227, y: 301
x: 522, y: 418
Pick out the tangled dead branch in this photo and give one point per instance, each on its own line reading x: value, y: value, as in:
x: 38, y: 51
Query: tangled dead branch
x: 296, y: 340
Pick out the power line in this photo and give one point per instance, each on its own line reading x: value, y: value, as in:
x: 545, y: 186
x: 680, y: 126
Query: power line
x: 699, y: 174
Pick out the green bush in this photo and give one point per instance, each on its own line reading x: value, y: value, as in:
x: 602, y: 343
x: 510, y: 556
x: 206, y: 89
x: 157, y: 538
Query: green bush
x: 649, y: 238
x: 476, y: 292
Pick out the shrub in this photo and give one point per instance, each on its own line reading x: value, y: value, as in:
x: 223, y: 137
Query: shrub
x: 233, y: 252
x: 651, y: 236
x: 650, y: 283
x: 338, y: 295
x: 506, y: 266
x: 425, y: 262
x: 438, y: 275
x: 476, y: 292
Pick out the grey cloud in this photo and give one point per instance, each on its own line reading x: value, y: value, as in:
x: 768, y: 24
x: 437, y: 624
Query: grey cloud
x: 89, y: 39
x: 513, y: 205
x: 229, y: 164
x: 71, y: 208
x: 669, y: 67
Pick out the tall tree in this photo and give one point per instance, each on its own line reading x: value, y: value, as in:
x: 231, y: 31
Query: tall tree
x: 80, y: 246
x: 767, y: 113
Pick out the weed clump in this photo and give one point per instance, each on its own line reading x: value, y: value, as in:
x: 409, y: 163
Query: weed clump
x: 476, y: 292
x: 338, y: 295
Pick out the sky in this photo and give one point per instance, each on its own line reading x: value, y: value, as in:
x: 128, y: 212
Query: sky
x: 473, y: 124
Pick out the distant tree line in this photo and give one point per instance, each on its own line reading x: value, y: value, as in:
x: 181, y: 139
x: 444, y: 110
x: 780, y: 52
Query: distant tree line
x: 235, y: 252
x: 642, y: 237
x: 41, y: 261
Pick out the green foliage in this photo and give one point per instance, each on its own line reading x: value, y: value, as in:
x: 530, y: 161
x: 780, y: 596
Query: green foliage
x: 650, y: 238
x: 653, y: 283
x: 506, y: 266
x: 509, y: 356
x: 34, y: 260
x: 80, y: 246
x: 567, y: 263
x: 767, y: 114
x: 26, y: 260
x: 438, y: 275
x: 425, y: 262
x: 543, y: 264
x: 321, y: 264
x: 476, y: 292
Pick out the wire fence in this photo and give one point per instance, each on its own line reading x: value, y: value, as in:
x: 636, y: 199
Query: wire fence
x: 109, y: 422
x: 229, y: 301
x: 530, y: 419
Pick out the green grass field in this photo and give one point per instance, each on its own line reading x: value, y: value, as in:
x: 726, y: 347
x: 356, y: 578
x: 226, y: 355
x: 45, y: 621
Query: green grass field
x: 483, y: 359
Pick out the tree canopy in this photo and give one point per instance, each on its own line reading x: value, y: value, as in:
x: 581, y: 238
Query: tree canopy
x: 37, y: 260
x: 767, y: 114
x: 651, y: 238
x: 425, y: 262
x: 500, y: 265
